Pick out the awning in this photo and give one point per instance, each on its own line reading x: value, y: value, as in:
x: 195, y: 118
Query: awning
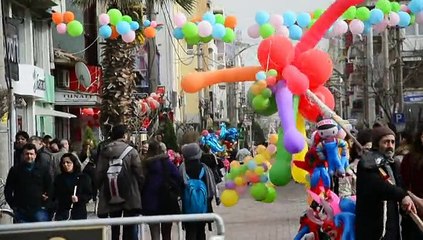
x: 53, y: 113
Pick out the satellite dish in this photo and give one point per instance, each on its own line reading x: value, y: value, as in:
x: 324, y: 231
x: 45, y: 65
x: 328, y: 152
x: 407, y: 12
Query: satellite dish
x: 83, y: 74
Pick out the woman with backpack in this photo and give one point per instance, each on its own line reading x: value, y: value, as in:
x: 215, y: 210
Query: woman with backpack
x: 162, y: 189
x: 72, y: 190
x: 199, y: 190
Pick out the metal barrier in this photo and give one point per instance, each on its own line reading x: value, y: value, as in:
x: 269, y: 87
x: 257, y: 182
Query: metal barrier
x: 40, y: 226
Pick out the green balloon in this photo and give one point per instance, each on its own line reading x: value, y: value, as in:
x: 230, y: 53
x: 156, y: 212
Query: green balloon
x: 190, y: 30
x: 412, y: 19
x: 363, y: 13
x: 206, y: 39
x: 75, y: 28
x: 395, y: 6
x: 193, y: 40
x: 266, y: 30
x: 127, y: 18
x: 259, y: 191
x: 280, y: 173
x: 243, y: 169
x: 229, y: 176
x: 236, y: 172
x: 272, y: 73
x: 271, y: 195
x: 311, y: 23
x: 350, y: 13
x: 115, y: 16
x: 317, y: 13
x: 270, y: 110
x: 219, y: 18
x: 384, y: 5
x: 267, y: 93
x: 260, y: 102
x: 229, y: 36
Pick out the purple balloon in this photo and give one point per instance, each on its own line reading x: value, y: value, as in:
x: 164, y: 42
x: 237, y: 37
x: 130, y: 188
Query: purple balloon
x: 230, y: 185
x: 293, y: 140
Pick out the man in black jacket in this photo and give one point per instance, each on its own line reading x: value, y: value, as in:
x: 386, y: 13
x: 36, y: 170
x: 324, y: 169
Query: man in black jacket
x: 378, y: 191
x: 27, y: 188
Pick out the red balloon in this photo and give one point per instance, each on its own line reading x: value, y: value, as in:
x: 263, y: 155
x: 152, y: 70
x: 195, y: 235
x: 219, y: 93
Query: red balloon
x: 88, y: 112
x: 296, y: 81
x: 275, y: 52
x: 317, y: 65
x: 310, y: 110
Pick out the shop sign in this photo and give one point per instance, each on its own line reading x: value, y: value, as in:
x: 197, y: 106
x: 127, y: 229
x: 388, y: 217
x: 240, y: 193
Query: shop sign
x: 32, y: 81
x: 12, y: 50
x: 70, y: 98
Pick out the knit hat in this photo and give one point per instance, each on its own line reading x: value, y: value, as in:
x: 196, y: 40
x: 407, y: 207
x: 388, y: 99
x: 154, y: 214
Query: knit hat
x: 378, y: 133
x: 191, y: 151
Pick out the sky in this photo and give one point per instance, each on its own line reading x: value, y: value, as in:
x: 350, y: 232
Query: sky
x: 245, y: 11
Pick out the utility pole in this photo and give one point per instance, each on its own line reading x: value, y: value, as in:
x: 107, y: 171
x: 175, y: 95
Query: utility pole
x: 400, y: 84
x: 369, y: 100
x: 201, y: 98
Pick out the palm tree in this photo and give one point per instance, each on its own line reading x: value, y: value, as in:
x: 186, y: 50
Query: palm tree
x: 118, y: 61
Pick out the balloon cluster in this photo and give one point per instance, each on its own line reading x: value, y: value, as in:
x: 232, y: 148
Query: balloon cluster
x: 228, y: 135
x: 260, y: 95
x: 148, y: 105
x: 65, y: 22
x: 113, y: 24
x: 253, y: 171
x: 150, y: 28
x: 211, y: 140
x: 210, y: 26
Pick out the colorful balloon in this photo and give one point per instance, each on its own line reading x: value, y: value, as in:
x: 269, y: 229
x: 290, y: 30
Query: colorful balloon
x: 75, y: 28
x: 316, y: 65
x: 61, y: 28
x: 269, y: 52
x: 180, y: 19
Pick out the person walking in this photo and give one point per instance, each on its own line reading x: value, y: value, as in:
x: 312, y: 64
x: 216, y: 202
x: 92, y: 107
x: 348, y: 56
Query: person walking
x: 119, y: 176
x: 379, y: 191
x: 21, y: 138
x: 162, y: 189
x: 28, y: 187
x: 72, y: 190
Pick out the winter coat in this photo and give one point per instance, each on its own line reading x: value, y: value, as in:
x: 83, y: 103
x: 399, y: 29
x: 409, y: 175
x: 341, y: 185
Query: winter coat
x: 377, y: 199
x: 25, y: 186
x: 63, y: 190
x: 154, y: 178
x: 211, y: 161
x: 135, y: 178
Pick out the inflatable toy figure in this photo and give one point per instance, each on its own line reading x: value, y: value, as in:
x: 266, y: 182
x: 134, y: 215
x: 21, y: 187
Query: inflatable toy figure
x: 310, y: 223
x: 230, y: 134
x: 329, y: 145
x: 211, y: 140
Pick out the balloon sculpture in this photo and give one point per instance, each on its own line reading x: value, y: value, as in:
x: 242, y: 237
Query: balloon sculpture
x: 211, y: 140
x: 65, y: 22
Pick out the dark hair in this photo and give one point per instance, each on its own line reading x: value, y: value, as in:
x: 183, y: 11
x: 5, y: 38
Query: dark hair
x: 153, y: 148
x: 22, y: 134
x: 75, y: 161
x: 206, y: 148
x: 56, y: 141
x: 118, y: 131
x: 47, y: 138
x: 364, y: 136
x: 29, y: 146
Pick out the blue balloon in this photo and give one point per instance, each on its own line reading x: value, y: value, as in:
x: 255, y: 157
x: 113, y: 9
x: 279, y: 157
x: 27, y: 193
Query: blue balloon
x: 262, y: 17
x: 264, y: 178
x: 219, y: 31
x: 147, y: 23
x: 209, y: 17
x: 123, y: 27
x: 295, y: 32
x: 252, y: 165
x: 376, y: 16
x: 134, y: 25
x: 404, y: 19
x: 289, y: 18
x: 178, y: 34
x: 261, y: 75
x: 303, y: 19
x: 105, y: 31
x: 416, y: 6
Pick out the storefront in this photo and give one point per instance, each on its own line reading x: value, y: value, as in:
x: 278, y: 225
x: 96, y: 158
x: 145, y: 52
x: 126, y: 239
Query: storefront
x: 34, y: 101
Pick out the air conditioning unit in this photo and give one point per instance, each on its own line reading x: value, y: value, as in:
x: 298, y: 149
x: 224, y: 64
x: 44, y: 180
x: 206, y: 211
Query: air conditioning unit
x: 63, y: 79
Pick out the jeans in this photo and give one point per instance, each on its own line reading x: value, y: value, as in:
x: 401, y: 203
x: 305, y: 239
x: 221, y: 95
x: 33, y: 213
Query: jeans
x: 130, y: 232
x: 23, y: 216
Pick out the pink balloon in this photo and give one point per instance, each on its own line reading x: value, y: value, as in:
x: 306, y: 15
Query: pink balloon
x: 356, y: 26
x: 404, y: 8
x: 241, y: 189
x: 153, y: 24
x: 271, y: 148
x: 340, y: 27
x: 129, y: 37
x: 282, y: 30
x: 180, y: 19
x: 104, y: 19
x: 419, y: 18
x: 381, y: 26
x: 296, y: 81
x: 276, y: 20
x: 253, y: 31
x: 394, y: 19
x: 61, y: 28
x: 205, y: 29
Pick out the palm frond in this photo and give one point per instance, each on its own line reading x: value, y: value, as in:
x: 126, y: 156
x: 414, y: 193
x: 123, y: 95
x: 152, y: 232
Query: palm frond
x: 187, y: 5
x: 124, y: 5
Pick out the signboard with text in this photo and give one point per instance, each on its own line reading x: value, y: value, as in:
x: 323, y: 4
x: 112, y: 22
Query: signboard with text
x: 74, y: 98
x: 11, y: 58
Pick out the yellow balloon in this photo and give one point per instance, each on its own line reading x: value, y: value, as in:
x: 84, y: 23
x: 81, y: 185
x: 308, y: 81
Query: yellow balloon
x: 267, y: 156
x: 260, y: 149
x: 239, y: 181
x: 298, y: 174
x: 229, y: 198
x: 273, y: 138
x: 260, y: 158
x: 259, y: 170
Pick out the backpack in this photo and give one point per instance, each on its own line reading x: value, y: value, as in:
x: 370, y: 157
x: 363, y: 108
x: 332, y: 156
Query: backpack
x: 195, y: 195
x: 117, y: 185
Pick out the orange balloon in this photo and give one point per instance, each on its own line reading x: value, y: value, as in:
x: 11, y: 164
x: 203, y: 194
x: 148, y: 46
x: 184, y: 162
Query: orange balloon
x: 255, y: 89
x: 231, y: 22
x: 149, y: 32
x: 195, y: 81
x: 68, y: 16
x: 196, y: 19
x: 261, y: 84
x: 115, y: 34
x: 57, y: 17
